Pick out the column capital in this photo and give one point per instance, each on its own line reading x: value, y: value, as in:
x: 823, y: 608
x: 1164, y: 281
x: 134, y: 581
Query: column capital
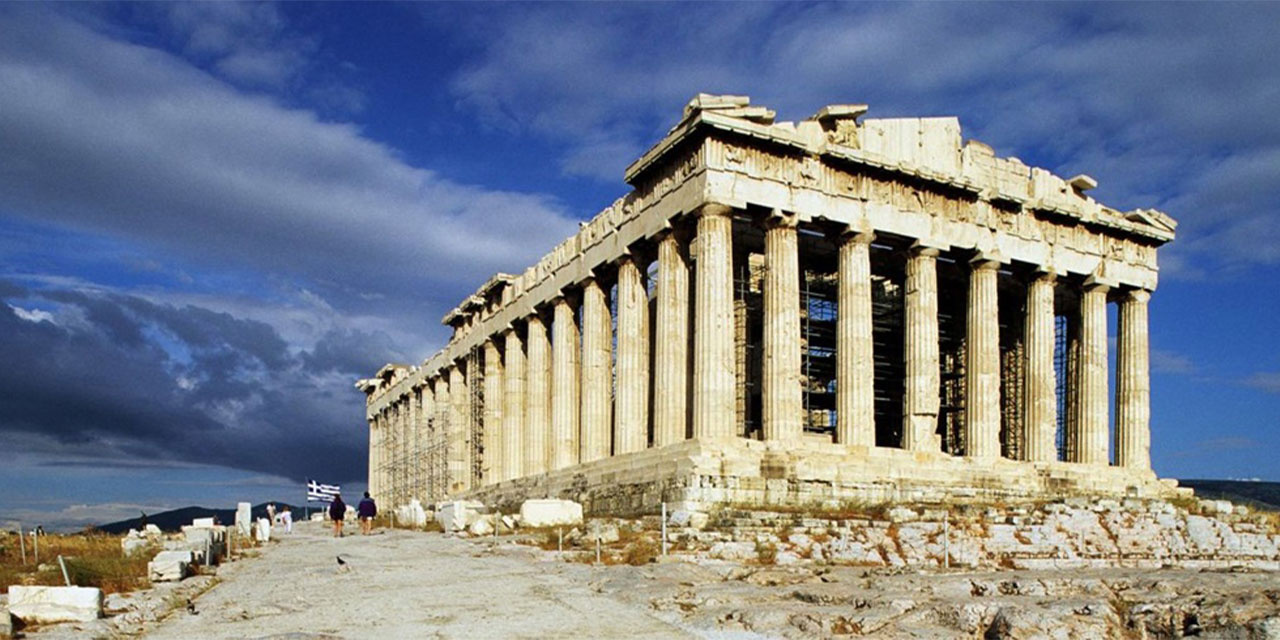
x: 919, y: 249
x: 711, y: 209
x: 777, y: 218
x: 987, y: 260
x: 857, y: 236
x: 1137, y: 295
x: 1093, y: 285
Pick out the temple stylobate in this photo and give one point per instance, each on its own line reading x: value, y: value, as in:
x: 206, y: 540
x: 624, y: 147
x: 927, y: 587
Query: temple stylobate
x: 796, y: 312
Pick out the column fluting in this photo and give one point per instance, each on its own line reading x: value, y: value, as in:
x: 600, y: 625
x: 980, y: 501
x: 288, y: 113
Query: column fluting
x: 597, y: 372
x: 713, y: 360
x: 1040, y: 388
x: 920, y: 404
x: 631, y: 424
x: 982, y: 362
x: 782, y: 395
x: 671, y: 346
x: 459, y: 428
x: 492, y: 461
x: 855, y: 362
x: 537, y: 428
x: 513, y: 407
x: 564, y: 386
x: 1092, y: 445
x: 1133, y: 383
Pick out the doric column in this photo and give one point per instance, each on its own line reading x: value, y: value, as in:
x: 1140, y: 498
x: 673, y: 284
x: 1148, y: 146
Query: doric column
x: 537, y: 428
x: 1091, y: 445
x: 982, y: 362
x: 1040, y: 387
x: 1133, y: 383
x: 564, y: 386
x: 492, y: 467
x: 855, y: 363
x: 459, y: 427
x: 671, y: 346
x: 631, y: 430
x: 597, y: 372
x: 373, y: 454
x: 782, y: 396
x: 920, y: 404
x: 713, y: 357
x: 425, y: 469
x: 513, y: 406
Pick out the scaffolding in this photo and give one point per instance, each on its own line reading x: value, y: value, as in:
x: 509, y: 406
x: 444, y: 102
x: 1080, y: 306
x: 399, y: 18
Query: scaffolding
x: 818, y: 350
x: 1060, y: 370
x: 475, y: 419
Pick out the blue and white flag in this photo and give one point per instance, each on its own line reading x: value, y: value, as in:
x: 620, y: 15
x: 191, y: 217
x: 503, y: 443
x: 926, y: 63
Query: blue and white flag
x: 317, y: 492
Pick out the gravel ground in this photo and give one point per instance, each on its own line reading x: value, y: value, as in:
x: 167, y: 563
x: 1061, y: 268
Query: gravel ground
x: 399, y: 584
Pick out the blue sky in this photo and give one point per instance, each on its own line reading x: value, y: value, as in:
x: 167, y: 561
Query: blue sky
x: 214, y: 217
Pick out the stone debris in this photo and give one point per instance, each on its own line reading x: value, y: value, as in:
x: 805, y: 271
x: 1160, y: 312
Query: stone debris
x: 411, y: 514
x: 45, y: 605
x: 170, y: 566
x: 550, y: 513
x: 458, y: 515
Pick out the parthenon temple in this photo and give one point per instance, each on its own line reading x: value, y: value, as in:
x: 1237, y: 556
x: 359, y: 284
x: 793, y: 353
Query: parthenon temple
x: 841, y: 308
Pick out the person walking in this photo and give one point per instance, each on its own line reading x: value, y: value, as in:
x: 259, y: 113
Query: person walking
x: 337, y: 511
x: 286, y: 518
x: 367, y: 509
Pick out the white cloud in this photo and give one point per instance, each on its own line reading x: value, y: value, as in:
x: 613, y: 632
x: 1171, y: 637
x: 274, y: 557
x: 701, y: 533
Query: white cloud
x: 32, y: 315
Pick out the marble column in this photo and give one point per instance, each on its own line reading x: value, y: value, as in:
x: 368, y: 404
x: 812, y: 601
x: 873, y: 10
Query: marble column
x: 537, y: 428
x: 920, y: 404
x: 492, y: 459
x: 982, y: 362
x: 1133, y: 383
x: 855, y: 361
x: 713, y: 356
x: 671, y: 344
x: 373, y: 455
x: 564, y: 386
x: 513, y: 406
x: 423, y: 426
x: 597, y: 372
x: 631, y: 425
x: 782, y: 396
x: 1040, y: 401
x: 1091, y: 443
x: 459, y: 427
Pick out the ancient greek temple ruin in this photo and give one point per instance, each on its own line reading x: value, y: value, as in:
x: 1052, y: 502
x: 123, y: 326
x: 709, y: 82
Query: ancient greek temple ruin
x: 797, y: 312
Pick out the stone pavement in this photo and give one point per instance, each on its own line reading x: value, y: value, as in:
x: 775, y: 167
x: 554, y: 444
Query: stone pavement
x: 400, y: 584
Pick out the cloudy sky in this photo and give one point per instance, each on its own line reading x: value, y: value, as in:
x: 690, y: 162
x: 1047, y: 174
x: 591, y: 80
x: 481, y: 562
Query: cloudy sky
x: 215, y: 217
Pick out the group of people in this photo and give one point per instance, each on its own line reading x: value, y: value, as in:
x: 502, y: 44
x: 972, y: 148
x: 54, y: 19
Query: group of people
x: 284, y: 517
x: 366, y: 511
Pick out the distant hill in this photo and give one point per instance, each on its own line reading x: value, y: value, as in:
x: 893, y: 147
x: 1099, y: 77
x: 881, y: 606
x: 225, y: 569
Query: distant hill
x: 175, y: 519
x: 1258, y: 495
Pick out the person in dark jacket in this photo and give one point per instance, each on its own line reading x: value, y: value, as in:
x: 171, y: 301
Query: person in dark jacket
x: 366, y: 510
x: 337, y: 511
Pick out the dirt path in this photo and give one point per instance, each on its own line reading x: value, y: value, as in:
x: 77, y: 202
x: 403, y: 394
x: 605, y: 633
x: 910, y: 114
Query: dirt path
x: 402, y: 585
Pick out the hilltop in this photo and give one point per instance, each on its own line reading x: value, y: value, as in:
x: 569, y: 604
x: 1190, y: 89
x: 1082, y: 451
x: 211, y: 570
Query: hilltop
x: 174, y: 519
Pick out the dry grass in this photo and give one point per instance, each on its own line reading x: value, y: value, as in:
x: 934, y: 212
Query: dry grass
x: 93, y: 560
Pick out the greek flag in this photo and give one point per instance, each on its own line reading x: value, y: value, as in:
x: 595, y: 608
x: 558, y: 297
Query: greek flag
x: 317, y: 492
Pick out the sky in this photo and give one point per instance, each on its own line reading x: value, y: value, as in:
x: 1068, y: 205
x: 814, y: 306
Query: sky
x: 214, y: 218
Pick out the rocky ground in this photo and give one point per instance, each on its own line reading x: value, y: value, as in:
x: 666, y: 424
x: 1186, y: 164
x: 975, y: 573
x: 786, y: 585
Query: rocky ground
x: 415, y: 584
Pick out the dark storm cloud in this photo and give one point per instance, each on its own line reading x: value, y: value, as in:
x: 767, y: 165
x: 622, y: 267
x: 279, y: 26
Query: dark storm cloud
x: 105, y: 136
x: 126, y: 381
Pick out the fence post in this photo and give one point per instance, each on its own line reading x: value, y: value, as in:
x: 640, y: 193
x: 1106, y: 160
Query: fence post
x: 65, y: 577
x: 664, y: 529
x: 22, y: 543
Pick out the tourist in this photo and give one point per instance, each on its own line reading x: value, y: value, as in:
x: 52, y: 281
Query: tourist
x: 286, y: 517
x: 271, y: 512
x: 366, y: 510
x: 337, y: 511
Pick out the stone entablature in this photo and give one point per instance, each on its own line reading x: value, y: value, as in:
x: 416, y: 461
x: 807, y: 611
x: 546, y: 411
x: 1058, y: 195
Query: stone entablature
x: 910, y: 182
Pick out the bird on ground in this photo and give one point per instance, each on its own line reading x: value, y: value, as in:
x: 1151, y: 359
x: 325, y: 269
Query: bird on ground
x: 342, y: 565
x: 191, y: 608
x: 341, y: 561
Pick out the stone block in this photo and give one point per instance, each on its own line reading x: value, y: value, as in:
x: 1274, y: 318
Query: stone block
x: 244, y: 519
x: 45, y: 605
x: 131, y: 545
x: 903, y: 514
x: 202, y: 522
x: 458, y: 514
x: 548, y: 513
x: 169, y: 566
x: 152, y: 530
x: 605, y: 532
x: 480, y: 527
x: 262, y: 530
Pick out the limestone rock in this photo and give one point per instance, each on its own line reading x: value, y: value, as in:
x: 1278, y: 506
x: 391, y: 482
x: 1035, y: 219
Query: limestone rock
x: 605, y: 532
x: 202, y: 522
x: 458, y: 515
x: 244, y: 519
x: 262, y: 530
x: 169, y: 566
x: 480, y: 527
x: 548, y: 513
x: 44, y: 605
